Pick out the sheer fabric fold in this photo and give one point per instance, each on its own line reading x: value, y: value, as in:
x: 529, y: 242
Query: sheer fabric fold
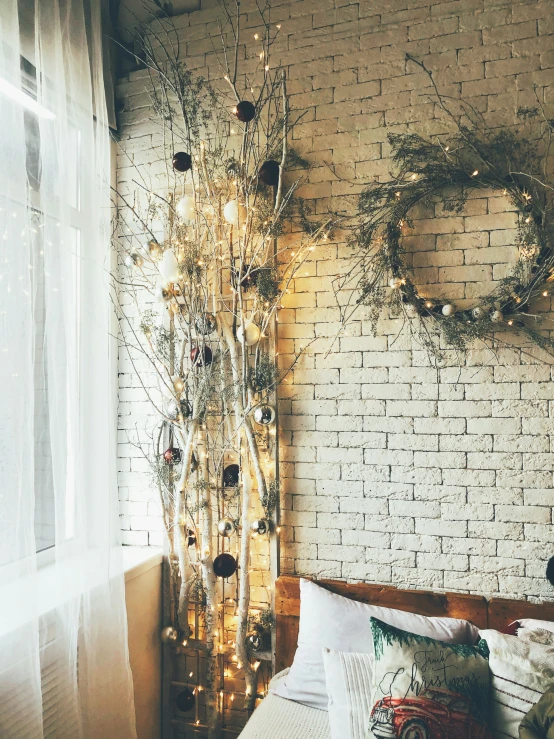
x: 64, y: 669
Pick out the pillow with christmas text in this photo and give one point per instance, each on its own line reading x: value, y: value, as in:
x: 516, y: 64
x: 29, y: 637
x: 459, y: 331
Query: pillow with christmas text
x: 424, y: 688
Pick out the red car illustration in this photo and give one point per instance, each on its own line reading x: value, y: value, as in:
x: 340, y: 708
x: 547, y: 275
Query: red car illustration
x: 436, y: 714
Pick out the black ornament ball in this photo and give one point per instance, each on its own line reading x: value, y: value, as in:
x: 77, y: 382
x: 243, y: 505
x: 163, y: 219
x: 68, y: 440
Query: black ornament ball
x: 247, y: 278
x: 528, y: 208
x: 182, y: 161
x: 225, y: 565
x: 201, y: 356
x: 185, y: 700
x: 231, y: 476
x: 269, y: 173
x: 245, y: 111
x: 550, y: 571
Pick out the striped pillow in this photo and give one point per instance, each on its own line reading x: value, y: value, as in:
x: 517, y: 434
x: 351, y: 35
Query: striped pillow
x: 348, y: 677
x: 521, y: 671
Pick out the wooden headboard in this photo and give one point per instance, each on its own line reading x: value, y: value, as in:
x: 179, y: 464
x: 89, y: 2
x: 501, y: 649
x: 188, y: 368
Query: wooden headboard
x: 494, y: 614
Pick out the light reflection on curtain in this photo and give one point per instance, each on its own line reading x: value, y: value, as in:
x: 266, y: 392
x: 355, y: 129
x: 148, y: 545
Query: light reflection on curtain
x: 64, y: 668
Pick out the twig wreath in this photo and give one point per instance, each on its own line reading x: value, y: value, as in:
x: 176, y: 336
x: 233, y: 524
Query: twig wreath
x: 452, y: 168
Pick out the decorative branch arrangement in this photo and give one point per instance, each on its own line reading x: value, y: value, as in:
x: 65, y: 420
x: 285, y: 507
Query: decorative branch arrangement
x: 197, y: 296
x: 450, y: 169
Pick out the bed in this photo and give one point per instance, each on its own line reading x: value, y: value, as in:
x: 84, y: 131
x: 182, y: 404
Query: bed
x: 277, y: 718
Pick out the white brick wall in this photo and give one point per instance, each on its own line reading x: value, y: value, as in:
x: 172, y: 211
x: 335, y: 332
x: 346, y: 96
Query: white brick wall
x: 392, y: 471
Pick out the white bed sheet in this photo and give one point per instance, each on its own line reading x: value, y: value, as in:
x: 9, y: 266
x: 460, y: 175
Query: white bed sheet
x: 278, y: 718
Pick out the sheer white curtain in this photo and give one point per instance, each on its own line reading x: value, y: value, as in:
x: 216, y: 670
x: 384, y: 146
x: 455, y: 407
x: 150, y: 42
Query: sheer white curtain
x: 64, y: 668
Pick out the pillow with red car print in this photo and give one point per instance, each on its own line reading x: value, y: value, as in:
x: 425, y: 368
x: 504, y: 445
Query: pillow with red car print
x: 427, y: 689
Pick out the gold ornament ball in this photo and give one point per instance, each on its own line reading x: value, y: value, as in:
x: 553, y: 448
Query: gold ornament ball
x: 497, y: 316
x: 154, y: 249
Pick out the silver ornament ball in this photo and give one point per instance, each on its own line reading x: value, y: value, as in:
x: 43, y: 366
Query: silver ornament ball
x: 264, y: 415
x: 205, y: 323
x: 477, y: 313
x: 226, y: 527
x: 497, y: 316
x: 134, y: 260
x: 260, y: 526
x: 169, y: 635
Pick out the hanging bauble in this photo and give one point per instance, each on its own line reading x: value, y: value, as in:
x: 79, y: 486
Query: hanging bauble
x: 231, y: 475
x: 395, y: 283
x: 186, y: 208
x: 226, y: 527
x: 162, y: 293
x: 245, y: 111
x: 232, y: 168
x: 234, y: 212
x: 448, y: 309
x: 154, y: 249
x: 550, y: 571
x: 248, y: 276
x: 178, y: 384
x: 185, y: 700
x: 201, y: 356
x: 182, y: 161
x: 205, y: 323
x: 134, y: 260
x: 255, y: 641
x: 173, y: 455
x: 172, y: 410
x: 169, y: 266
x: 264, y: 415
x: 497, y: 316
x: 225, y: 565
x: 269, y: 173
x: 260, y: 526
x: 250, y: 335
x: 169, y: 635
x: 191, y: 537
x: 477, y: 313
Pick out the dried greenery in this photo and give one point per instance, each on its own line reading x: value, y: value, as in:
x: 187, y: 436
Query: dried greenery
x: 443, y: 173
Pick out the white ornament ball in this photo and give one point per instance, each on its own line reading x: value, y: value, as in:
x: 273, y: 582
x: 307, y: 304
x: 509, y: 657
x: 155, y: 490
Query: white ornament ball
x: 169, y: 635
x: 448, y: 309
x: 497, y: 316
x: 264, y: 415
x: 395, y: 283
x: 186, y: 208
x: 251, y: 334
x: 169, y: 266
x: 234, y: 212
x: 477, y: 313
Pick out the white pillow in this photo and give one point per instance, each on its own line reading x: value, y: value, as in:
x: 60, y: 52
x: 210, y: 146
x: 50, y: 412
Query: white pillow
x: 534, y: 624
x: 332, y: 621
x: 521, y: 671
x: 348, y: 676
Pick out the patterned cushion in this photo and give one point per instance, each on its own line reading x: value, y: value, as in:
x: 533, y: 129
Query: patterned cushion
x: 424, y: 688
x: 521, y: 671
